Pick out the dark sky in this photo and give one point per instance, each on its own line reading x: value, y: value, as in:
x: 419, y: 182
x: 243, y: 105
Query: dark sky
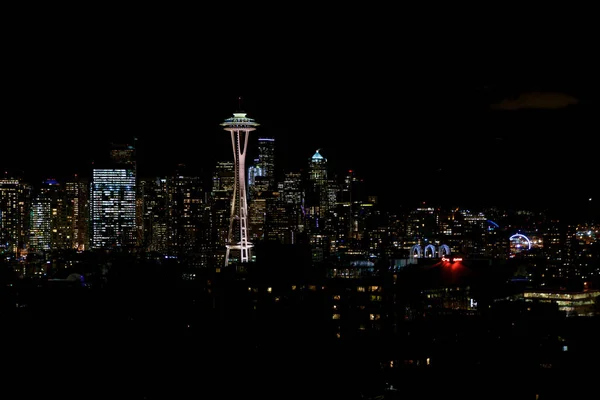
x: 482, y: 123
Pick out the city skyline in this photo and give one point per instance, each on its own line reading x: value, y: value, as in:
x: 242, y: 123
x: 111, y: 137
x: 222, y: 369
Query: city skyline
x: 455, y: 280
x: 429, y: 119
x: 540, y: 164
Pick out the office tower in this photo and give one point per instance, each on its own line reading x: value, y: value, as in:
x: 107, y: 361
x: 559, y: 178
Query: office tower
x: 317, y: 169
x: 292, y: 195
x: 39, y: 232
x: 186, y: 233
x: 45, y: 232
x: 14, y: 216
x: 239, y: 127
x: 292, y: 190
x: 278, y: 219
x: 113, y: 208
x: 475, y: 234
x: 218, y: 210
x: 124, y: 155
x: 254, y: 171
x: 317, y: 191
x: 261, y: 186
x: 266, y: 160
x: 257, y: 211
x: 223, y: 179
x: 113, y: 202
x: 352, y: 189
x: 153, y: 194
x: 316, y: 207
x: 581, y: 258
x: 77, y: 213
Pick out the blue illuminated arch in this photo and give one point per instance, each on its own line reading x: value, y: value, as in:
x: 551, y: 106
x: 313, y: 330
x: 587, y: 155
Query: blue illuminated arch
x: 416, y: 251
x: 429, y: 251
x: 522, y: 236
x: 443, y: 250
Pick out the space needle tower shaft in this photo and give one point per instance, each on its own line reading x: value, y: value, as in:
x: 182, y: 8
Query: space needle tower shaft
x: 240, y: 127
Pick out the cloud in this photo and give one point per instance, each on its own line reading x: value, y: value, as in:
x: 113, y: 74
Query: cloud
x: 536, y: 100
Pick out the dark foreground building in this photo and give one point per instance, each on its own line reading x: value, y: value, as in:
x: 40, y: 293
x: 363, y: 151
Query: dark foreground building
x: 351, y: 330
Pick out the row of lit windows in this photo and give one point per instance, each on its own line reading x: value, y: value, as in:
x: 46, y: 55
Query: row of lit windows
x: 372, y: 317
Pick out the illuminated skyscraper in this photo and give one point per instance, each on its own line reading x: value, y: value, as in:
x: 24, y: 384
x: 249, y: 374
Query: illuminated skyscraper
x: 113, y: 208
x: 39, y: 232
x: 317, y: 196
x: 45, y: 217
x: 219, y: 210
x: 77, y: 213
x: 266, y: 159
x: 155, y: 213
x: 14, y: 215
x: 186, y: 234
x: 113, y: 202
x: 240, y: 127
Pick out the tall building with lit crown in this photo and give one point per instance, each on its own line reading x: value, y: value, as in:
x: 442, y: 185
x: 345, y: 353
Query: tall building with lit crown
x: 317, y: 193
x: 239, y: 127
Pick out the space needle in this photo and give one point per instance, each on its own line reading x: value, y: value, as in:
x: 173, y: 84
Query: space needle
x: 240, y: 127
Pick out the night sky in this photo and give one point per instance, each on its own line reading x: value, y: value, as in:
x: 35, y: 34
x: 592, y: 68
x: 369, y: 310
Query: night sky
x: 446, y: 124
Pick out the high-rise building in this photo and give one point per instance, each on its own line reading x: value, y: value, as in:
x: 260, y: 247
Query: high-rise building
x: 186, y: 229
x: 45, y: 231
x: 292, y: 195
x: 113, y: 208
x: 257, y: 211
x: 113, y: 205
x: 14, y: 215
x: 254, y: 171
x: 317, y: 191
x: 279, y: 219
x: 266, y: 159
x: 292, y: 190
x: 39, y: 233
x: 153, y: 194
x: 239, y: 127
x: 219, y: 210
x: 124, y: 155
x: 77, y: 213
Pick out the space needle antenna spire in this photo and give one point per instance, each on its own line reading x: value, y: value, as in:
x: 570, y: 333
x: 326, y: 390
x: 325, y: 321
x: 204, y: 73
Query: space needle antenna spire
x: 239, y: 126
